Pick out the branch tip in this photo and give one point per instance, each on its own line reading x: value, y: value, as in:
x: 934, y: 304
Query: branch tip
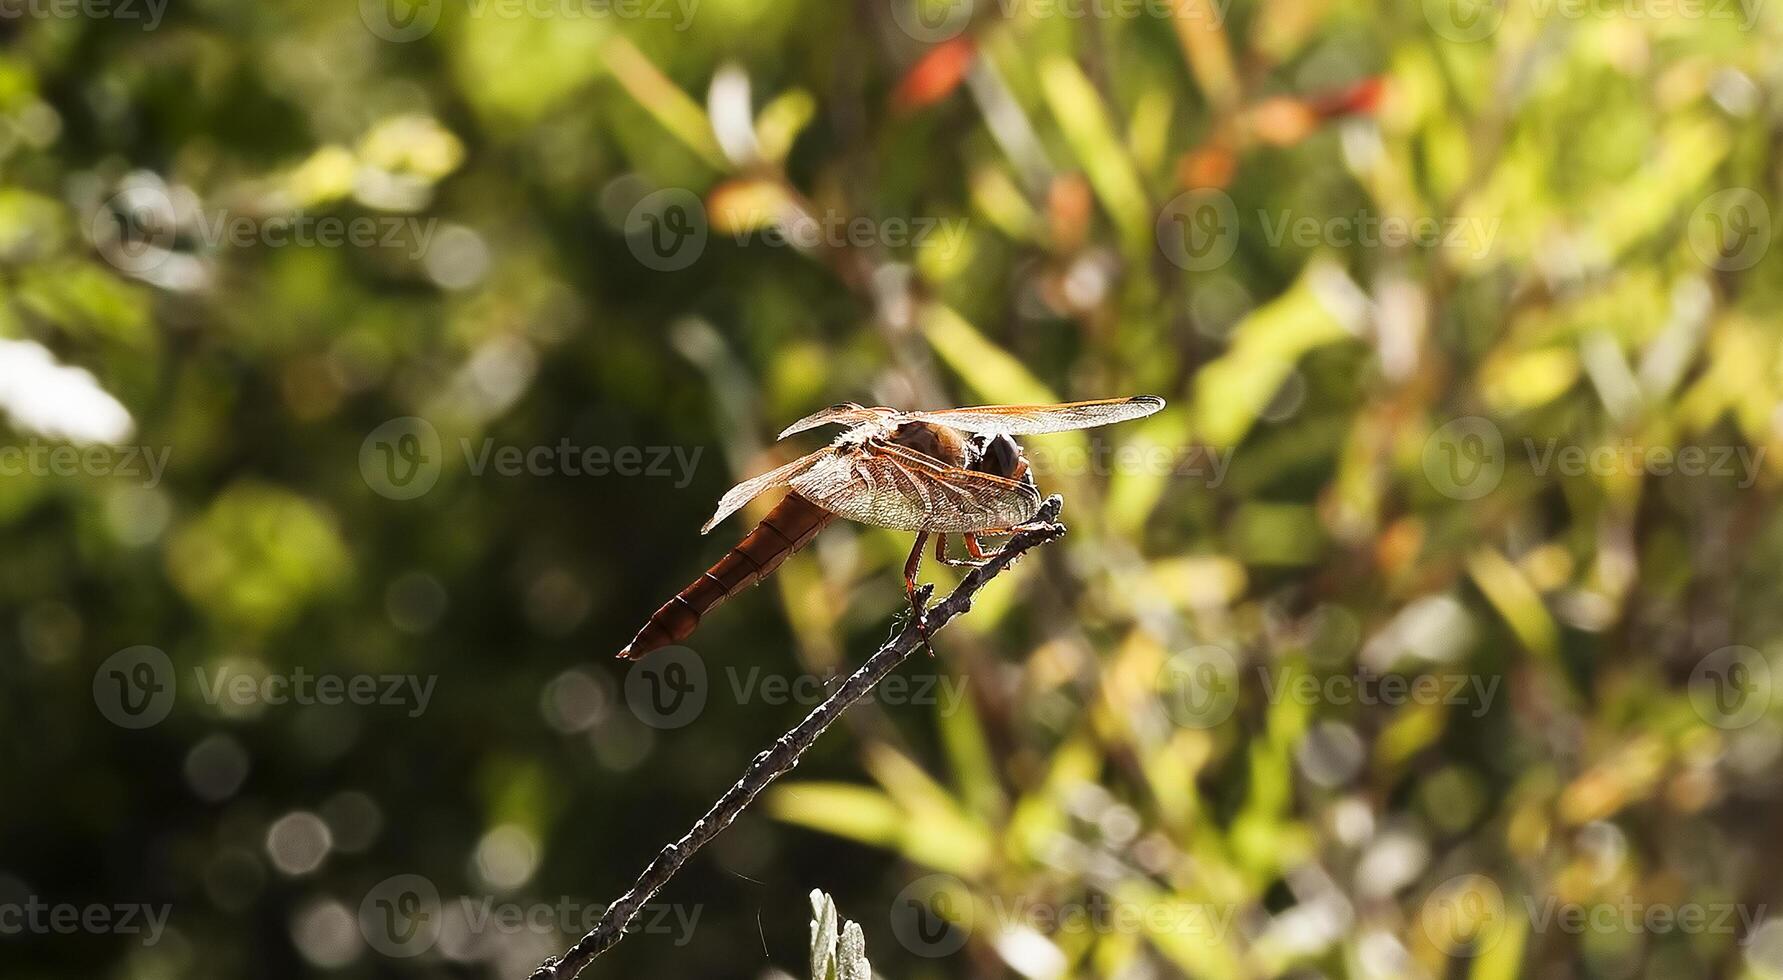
x: 771, y: 763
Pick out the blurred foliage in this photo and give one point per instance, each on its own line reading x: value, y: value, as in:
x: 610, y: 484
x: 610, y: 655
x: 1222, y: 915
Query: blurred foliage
x: 1590, y: 170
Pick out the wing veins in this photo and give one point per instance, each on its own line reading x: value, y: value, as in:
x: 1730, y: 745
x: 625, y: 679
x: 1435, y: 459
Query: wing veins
x: 983, y: 499
x: 1037, y: 419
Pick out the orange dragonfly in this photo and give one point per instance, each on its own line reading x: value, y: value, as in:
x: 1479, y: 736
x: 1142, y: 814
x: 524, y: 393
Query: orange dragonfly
x: 956, y: 471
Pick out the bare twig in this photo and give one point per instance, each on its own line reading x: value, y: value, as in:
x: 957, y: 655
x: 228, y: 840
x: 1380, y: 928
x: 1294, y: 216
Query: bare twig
x: 784, y: 754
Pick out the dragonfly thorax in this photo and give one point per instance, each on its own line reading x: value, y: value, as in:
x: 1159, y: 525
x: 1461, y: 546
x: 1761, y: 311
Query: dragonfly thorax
x: 934, y: 441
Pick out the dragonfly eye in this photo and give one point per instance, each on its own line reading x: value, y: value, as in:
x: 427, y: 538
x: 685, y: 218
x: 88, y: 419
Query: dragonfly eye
x: 995, y: 453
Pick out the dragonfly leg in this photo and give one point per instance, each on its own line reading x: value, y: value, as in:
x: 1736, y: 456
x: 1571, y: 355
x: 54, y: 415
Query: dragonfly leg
x: 976, y: 549
x: 942, y: 557
x: 912, y: 566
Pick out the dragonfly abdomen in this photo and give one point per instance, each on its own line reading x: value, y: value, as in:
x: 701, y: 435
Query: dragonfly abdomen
x: 788, y: 527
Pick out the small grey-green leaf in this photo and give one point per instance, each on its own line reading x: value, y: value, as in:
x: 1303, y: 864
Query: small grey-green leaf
x: 823, y: 935
x: 851, y: 954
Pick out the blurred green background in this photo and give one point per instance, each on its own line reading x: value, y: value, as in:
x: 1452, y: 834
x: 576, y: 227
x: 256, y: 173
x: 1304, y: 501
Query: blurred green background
x: 366, y: 371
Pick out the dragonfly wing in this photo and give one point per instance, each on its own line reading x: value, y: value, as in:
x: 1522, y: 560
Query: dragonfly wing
x: 866, y: 488
x: 961, y: 500
x: 1027, y: 420
x: 890, y: 486
x: 847, y: 413
x: 748, y: 490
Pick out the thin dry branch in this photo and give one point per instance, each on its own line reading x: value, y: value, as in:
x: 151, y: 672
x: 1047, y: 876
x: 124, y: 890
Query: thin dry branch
x: 784, y: 754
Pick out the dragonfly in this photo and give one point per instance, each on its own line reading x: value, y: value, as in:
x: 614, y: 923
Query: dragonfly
x: 953, y: 471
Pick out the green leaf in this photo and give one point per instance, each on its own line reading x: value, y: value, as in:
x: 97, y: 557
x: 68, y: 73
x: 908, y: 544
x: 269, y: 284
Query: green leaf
x: 781, y: 121
x: 1231, y: 392
x: 855, y: 812
x: 1081, y: 116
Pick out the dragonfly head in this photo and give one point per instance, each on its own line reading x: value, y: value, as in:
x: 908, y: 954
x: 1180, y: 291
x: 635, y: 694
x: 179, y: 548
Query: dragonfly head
x: 998, y: 454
